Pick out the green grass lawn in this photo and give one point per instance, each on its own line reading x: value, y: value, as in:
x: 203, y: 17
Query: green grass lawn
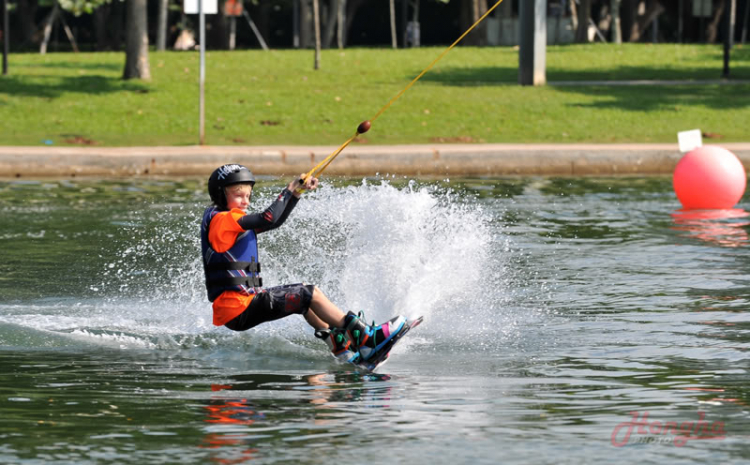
x: 260, y: 98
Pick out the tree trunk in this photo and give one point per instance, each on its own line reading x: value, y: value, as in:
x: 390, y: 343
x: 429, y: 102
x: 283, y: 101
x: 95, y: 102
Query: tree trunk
x: 351, y: 10
x: 330, y: 23
x: 48, y: 22
x: 744, y: 23
x: 635, y: 28
x: 56, y: 15
x: 263, y: 20
x: 653, y: 10
x: 573, y: 15
x: 341, y: 24
x: 584, y: 12
x: 471, y: 11
x: 25, y: 13
x: 605, y: 18
x: 392, y: 13
x: 505, y: 10
x: 295, y: 24
x: 481, y: 29
x: 68, y: 32
x: 316, y: 21
x: 712, y: 31
x: 161, y: 30
x: 417, y: 34
x: 232, y: 32
x: 116, y: 24
x: 616, y: 36
x: 217, y: 30
x: 475, y: 14
x: 305, y: 23
x: 629, y: 17
x: 136, y: 44
x: 100, y: 27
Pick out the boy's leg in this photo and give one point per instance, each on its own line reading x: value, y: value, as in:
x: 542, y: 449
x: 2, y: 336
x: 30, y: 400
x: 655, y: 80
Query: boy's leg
x: 314, y: 321
x: 324, y: 313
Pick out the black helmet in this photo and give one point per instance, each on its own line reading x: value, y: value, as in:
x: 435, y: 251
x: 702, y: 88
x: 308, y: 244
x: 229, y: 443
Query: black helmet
x: 224, y: 176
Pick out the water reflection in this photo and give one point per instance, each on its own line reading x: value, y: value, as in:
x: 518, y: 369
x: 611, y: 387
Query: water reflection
x: 230, y: 412
x: 719, y: 227
x: 253, y: 412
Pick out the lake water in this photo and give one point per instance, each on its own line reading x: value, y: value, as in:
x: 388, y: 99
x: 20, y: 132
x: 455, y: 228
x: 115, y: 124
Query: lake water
x: 566, y: 321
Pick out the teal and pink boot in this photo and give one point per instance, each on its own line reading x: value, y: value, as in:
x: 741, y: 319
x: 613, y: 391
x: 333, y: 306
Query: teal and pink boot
x: 372, y: 342
x: 360, y: 343
x: 339, y: 343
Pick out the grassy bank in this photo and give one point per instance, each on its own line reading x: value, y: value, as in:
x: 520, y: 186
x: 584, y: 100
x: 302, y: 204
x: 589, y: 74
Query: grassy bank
x: 259, y: 98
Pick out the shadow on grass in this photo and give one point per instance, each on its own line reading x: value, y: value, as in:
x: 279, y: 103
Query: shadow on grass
x: 647, y: 73
x: 624, y: 97
x: 471, y: 77
x: 498, y: 75
x: 60, y: 85
x: 677, y: 98
x: 114, y: 67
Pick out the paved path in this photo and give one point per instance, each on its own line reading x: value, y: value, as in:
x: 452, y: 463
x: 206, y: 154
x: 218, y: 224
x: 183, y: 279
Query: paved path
x: 426, y: 160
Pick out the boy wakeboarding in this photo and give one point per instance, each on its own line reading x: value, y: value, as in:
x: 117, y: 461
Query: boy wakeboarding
x: 229, y: 246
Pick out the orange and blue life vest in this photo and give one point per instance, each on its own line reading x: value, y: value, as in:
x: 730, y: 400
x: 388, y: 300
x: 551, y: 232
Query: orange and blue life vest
x: 236, y: 269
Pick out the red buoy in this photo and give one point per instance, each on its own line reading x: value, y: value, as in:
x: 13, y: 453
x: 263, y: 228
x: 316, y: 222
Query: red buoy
x: 709, y: 177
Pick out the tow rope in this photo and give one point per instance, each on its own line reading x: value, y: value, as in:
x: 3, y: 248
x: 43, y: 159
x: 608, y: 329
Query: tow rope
x: 364, y: 126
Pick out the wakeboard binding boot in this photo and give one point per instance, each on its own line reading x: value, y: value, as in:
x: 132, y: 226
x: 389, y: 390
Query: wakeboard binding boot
x: 360, y: 343
x: 339, y: 343
x: 372, y: 341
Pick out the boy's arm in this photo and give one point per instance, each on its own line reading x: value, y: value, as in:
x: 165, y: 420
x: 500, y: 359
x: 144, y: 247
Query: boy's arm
x: 273, y: 216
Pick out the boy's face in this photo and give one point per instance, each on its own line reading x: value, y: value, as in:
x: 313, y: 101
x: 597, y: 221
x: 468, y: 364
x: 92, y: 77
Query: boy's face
x: 238, y: 196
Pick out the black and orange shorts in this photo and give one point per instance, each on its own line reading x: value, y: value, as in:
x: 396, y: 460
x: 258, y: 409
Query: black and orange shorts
x: 274, y: 303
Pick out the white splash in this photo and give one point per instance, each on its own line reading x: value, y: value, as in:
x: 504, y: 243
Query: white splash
x: 416, y: 250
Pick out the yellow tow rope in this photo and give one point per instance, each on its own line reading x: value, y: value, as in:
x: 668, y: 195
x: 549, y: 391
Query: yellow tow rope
x: 365, y: 125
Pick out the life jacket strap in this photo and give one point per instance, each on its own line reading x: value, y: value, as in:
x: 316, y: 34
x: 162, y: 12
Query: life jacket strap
x: 249, y: 281
x: 249, y: 267
x: 252, y: 268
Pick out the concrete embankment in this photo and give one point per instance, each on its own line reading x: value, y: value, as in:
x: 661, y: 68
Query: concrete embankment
x: 361, y: 160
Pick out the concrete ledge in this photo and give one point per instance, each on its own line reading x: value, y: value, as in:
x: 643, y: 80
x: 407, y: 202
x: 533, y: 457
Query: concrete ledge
x: 425, y: 160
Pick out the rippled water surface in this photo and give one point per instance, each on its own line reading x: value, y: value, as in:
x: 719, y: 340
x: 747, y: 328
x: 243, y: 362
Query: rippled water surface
x: 566, y: 321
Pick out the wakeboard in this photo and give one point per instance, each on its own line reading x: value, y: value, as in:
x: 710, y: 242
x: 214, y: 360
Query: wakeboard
x: 381, y: 357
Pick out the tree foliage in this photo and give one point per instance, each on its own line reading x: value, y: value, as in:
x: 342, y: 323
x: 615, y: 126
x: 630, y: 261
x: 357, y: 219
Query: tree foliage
x: 79, y: 7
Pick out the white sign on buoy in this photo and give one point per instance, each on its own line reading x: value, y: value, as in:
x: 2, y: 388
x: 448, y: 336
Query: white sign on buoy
x: 690, y: 140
